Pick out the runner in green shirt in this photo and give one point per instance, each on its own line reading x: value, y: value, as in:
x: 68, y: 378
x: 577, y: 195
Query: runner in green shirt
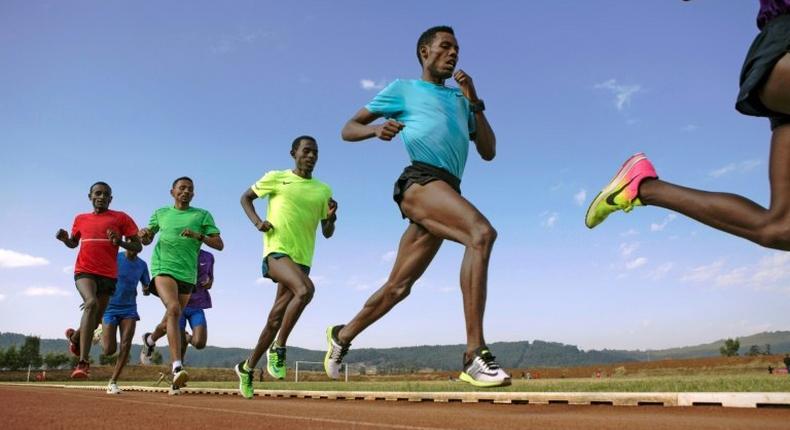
x: 297, y: 202
x: 182, y: 230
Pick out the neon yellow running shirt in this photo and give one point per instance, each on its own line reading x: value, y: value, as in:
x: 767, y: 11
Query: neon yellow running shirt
x: 296, y: 205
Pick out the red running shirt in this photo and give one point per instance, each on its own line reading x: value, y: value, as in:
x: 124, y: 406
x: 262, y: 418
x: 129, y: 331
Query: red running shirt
x: 97, y: 254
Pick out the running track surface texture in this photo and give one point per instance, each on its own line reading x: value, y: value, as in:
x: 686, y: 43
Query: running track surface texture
x: 31, y: 407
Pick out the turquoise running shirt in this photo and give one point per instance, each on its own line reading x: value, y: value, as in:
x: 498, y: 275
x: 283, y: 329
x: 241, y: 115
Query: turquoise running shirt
x: 437, y: 119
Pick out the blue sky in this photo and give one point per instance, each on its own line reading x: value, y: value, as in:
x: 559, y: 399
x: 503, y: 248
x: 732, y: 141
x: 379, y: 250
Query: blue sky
x: 139, y: 94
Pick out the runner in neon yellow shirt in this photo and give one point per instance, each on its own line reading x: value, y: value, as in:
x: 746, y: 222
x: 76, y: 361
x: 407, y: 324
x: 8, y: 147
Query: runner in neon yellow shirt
x: 297, y: 202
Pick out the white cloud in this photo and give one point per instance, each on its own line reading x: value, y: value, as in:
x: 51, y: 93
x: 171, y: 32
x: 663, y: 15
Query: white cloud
x: 629, y: 232
x: 45, y: 291
x: 742, y: 167
x: 661, y: 271
x: 690, y: 128
x: 622, y: 93
x: 550, y: 219
x: 703, y: 273
x: 636, y: 263
x: 13, y: 259
x: 2, y: 297
x: 68, y: 269
x: 229, y: 43
x: 370, y: 84
x: 389, y: 256
x: 660, y: 226
x: 580, y: 197
x: 261, y: 280
x: 627, y: 249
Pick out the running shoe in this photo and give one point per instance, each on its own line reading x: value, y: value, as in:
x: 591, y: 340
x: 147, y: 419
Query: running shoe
x: 180, y: 377
x: 74, y: 349
x: 622, y: 192
x: 275, y: 362
x: 245, y: 380
x: 334, y: 352
x: 97, y: 334
x: 146, y: 351
x: 484, y: 371
x: 112, y: 388
x: 82, y: 371
x: 174, y: 391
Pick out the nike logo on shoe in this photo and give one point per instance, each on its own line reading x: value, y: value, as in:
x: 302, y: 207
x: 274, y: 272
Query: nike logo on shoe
x: 610, y: 198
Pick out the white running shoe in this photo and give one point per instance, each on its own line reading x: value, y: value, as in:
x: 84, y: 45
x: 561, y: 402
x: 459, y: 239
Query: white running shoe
x: 335, y: 352
x: 112, y: 388
x: 484, y: 371
x: 147, y: 351
x: 180, y: 377
x: 97, y: 334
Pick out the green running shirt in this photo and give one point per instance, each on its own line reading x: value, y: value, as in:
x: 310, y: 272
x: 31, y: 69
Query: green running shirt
x: 296, y: 205
x: 177, y: 255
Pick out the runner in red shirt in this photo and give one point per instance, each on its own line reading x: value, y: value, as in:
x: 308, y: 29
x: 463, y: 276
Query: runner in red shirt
x: 99, y: 234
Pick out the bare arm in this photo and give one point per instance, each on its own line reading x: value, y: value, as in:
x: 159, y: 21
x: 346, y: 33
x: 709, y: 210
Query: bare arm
x: 246, y: 203
x: 359, y: 128
x: 328, y: 224
x: 146, y: 236
x: 484, y: 138
x: 71, y: 242
x: 131, y: 243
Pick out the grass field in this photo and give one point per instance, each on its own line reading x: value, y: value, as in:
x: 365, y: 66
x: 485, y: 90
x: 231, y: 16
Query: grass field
x: 726, y: 383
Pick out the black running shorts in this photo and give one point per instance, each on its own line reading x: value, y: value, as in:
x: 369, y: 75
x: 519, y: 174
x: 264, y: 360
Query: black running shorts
x: 768, y: 48
x: 422, y: 173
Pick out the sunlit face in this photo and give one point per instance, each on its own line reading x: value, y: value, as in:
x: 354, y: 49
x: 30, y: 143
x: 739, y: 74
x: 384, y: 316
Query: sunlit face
x: 306, y: 155
x: 441, y: 56
x: 183, y: 191
x: 100, y: 196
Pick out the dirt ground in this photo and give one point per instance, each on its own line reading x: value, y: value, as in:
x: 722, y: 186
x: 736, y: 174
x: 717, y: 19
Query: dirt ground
x: 57, y: 408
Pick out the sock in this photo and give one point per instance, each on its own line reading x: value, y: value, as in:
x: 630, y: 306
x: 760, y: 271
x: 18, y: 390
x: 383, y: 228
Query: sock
x: 247, y: 367
x: 149, y: 341
x: 176, y: 365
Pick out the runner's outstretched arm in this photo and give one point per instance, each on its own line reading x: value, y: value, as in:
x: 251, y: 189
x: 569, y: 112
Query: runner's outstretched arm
x: 358, y: 128
x: 71, y: 242
x: 246, y: 203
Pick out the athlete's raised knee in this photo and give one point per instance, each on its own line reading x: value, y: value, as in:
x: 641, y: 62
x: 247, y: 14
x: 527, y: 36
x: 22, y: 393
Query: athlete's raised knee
x: 776, y: 235
x: 483, y: 235
x: 172, y: 310
x: 304, y: 293
x: 91, y: 305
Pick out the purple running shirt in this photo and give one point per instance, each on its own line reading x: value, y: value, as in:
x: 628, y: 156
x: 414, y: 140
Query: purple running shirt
x: 201, y: 299
x: 770, y: 9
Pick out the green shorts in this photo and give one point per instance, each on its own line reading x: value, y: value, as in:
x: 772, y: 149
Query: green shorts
x: 277, y: 256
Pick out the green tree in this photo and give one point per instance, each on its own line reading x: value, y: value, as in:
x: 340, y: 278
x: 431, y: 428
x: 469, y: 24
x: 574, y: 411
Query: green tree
x: 754, y: 351
x: 730, y: 348
x: 29, y: 353
x: 156, y: 358
x: 12, y: 360
x: 53, y: 361
x: 108, y: 359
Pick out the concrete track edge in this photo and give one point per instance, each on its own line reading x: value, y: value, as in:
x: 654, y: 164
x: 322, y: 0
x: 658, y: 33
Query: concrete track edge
x: 731, y: 400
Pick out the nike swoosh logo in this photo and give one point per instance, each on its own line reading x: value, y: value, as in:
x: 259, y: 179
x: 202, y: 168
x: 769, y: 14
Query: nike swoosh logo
x: 488, y: 374
x: 610, y: 198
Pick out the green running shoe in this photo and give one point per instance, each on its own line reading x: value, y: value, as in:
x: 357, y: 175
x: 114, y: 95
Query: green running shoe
x: 245, y: 380
x: 622, y: 192
x: 275, y: 362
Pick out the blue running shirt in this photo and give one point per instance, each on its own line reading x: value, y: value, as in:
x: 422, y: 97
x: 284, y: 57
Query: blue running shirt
x: 130, y: 272
x: 437, y: 119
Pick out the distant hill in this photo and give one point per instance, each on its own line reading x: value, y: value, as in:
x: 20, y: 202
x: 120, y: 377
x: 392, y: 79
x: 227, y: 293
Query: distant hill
x: 521, y: 354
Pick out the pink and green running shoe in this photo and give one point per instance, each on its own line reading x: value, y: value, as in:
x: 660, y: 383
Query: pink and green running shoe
x: 622, y: 192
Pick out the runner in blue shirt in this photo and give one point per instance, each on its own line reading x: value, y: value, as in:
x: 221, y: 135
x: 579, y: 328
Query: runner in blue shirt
x: 436, y: 123
x: 121, y: 312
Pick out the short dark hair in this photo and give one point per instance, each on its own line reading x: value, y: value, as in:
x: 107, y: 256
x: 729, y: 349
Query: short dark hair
x: 295, y: 144
x: 90, y: 190
x: 426, y: 38
x: 181, y: 179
